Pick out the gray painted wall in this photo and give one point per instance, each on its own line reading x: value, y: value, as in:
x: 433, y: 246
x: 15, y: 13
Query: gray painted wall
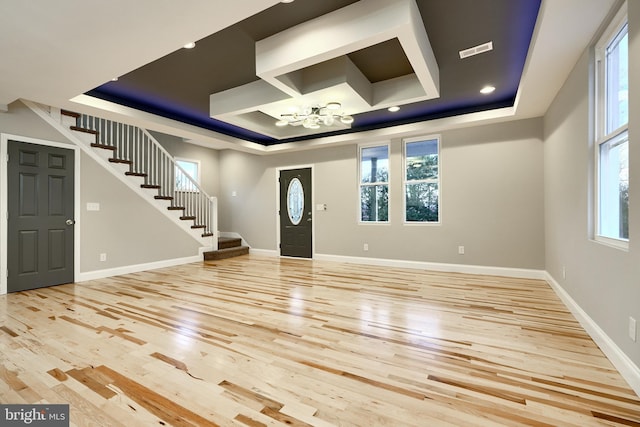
x: 603, y: 280
x: 127, y: 228
x: 492, y: 200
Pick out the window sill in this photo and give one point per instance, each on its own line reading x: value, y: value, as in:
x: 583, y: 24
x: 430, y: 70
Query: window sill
x: 619, y: 244
x: 422, y: 223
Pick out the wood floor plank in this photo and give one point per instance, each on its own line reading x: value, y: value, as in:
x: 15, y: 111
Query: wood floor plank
x: 259, y: 341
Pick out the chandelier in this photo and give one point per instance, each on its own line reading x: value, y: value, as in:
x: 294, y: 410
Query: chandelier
x: 313, y: 117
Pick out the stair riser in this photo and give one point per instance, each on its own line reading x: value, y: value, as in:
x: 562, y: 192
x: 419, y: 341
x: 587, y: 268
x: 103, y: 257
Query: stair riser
x: 218, y: 255
x: 229, y: 244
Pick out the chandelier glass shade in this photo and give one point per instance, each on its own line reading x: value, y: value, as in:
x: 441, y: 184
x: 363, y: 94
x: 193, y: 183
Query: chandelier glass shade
x: 315, y: 117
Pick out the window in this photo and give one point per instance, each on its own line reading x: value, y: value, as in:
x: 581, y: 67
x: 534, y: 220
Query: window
x: 374, y: 183
x: 184, y: 170
x: 612, y: 143
x: 422, y: 180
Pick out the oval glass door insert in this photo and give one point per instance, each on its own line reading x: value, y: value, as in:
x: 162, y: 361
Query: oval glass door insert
x: 295, y: 201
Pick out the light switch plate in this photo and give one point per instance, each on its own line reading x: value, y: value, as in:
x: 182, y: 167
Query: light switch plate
x: 93, y: 206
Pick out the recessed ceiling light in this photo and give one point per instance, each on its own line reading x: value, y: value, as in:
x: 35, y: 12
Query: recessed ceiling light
x: 286, y: 1
x: 190, y: 45
x: 394, y: 108
x: 333, y: 106
x: 115, y: 79
x: 487, y: 90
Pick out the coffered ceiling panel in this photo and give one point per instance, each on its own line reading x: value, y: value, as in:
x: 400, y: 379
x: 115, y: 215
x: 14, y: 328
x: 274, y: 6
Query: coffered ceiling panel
x: 289, y: 61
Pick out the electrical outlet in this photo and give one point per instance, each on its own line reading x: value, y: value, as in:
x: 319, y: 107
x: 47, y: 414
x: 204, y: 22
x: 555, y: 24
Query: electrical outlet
x: 366, y: 247
x: 632, y: 328
x: 461, y: 250
x: 564, y: 272
x: 103, y: 257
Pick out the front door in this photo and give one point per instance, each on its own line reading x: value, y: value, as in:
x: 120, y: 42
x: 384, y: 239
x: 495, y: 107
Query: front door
x: 295, y: 213
x: 40, y: 225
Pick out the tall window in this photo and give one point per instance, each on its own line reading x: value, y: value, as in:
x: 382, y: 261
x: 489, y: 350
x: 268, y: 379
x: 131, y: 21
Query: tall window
x: 374, y: 183
x: 184, y: 170
x: 612, y: 151
x: 422, y: 179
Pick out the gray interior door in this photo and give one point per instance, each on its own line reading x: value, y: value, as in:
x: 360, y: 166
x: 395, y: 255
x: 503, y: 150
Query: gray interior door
x: 41, y: 223
x: 296, y: 213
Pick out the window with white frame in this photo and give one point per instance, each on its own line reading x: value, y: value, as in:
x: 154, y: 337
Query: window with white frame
x: 612, y: 137
x: 422, y: 180
x: 187, y: 175
x: 374, y: 183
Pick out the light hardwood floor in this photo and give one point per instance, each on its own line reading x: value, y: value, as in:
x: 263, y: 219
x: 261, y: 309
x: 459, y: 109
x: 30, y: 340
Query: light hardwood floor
x: 262, y: 341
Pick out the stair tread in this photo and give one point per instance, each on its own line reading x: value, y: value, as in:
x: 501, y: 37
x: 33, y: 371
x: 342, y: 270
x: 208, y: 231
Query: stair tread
x: 141, y: 174
x: 85, y: 130
x: 103, y: 146
x: 229, y: 239
x: 70, y: 113
x: 235, y: 248
x: 152, y: 186
x: 123, y: 161
x: 226, y: 253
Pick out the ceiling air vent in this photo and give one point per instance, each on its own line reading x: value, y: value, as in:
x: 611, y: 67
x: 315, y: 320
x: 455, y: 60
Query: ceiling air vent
x: 481, y: 48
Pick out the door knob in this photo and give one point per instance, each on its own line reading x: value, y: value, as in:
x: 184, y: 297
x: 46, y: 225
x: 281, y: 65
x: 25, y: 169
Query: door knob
x: 70, y: 222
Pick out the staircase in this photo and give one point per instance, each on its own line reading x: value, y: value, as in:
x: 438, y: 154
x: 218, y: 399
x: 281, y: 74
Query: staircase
x: 149, y: 170
x: 228, y: 247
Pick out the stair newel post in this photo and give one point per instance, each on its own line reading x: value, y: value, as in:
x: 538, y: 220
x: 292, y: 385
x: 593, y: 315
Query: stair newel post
x: 147, y: 156
x: 213, y: 221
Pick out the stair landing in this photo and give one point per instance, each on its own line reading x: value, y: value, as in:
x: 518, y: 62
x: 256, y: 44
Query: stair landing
x: 228, y: 247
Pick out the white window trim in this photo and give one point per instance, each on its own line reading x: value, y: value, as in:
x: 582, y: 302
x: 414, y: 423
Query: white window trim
x: 198, y: 171
x: 360, y: 184
x: 438, y: 181
x: 620, y: 20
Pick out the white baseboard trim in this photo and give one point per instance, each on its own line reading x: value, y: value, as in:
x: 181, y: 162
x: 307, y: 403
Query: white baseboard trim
x: 117, y: 271
x: 264, y: 252
x: 433, y: 266
x: 629, y: 370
